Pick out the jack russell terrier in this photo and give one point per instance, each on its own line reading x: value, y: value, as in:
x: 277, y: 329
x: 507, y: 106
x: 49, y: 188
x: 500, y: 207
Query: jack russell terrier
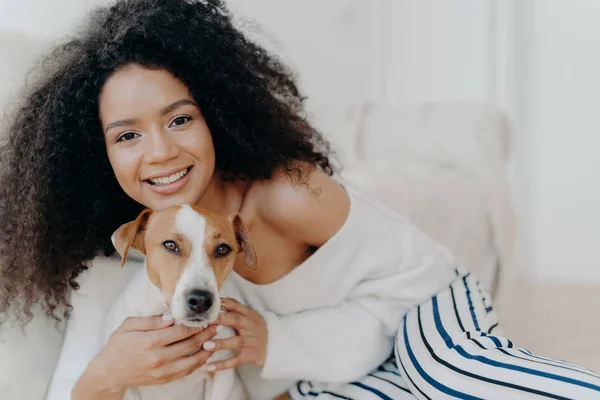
x: 189, y: 253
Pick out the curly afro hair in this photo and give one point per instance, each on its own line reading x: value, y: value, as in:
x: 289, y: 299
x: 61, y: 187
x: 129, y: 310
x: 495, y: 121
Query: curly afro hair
x: 59, y: 199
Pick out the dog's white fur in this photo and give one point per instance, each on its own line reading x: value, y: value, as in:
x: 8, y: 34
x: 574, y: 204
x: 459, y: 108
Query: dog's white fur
x: 142, y: 298
x: 197, y: 274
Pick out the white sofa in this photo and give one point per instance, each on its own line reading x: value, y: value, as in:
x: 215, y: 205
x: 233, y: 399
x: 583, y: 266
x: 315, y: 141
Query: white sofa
x: 441, y: 164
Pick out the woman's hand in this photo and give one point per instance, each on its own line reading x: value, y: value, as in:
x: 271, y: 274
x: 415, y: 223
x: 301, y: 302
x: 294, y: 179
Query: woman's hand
x: 144, y: 351
x: 250, y: 341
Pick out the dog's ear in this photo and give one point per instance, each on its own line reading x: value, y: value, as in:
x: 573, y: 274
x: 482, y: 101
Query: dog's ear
x: 130, y: 235
x: 243, y: 239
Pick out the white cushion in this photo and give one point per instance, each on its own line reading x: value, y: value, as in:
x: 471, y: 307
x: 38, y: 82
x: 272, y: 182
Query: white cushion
x: 463, y: 134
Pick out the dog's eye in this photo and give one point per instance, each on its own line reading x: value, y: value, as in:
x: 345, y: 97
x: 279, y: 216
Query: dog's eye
x: 222, y: 250
x: 171, y: 246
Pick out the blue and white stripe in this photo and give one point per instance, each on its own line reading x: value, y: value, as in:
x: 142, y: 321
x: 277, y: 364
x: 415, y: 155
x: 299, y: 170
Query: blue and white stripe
x: 452, y: 347
x: 383, y: 383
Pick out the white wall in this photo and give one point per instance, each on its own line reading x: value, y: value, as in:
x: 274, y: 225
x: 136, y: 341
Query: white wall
x: 392, y: 51
x: 437, y: 50
x: 564, y: 86
x: 347, y: 51
x: 333, y: 44
x: 539, y: 61
x: 46, y: 18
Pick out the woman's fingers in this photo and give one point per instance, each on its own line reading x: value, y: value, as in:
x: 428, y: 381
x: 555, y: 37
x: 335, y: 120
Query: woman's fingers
x: 233, y: 305
x: 187, y: 346
x: 239, y: 322
x: 182, y: 366
x: 171, y: 335
x: 155, y: 322
x: 236, y: 307
x: 236, y: 342
x: 232, y: 362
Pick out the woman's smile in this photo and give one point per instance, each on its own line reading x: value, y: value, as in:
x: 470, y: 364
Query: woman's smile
x: 169, y: 183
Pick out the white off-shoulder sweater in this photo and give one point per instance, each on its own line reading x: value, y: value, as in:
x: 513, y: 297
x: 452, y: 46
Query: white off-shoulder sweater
x: 332, y: 319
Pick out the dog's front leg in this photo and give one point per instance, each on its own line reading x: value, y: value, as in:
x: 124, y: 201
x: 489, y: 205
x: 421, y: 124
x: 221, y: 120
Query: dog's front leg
x: 224, y: 384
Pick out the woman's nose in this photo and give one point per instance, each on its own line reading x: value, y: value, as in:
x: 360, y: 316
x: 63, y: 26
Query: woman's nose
x: 161, y: 147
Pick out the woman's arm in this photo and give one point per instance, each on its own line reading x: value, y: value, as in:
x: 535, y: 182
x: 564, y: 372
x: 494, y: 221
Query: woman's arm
x: 347, y: 340
x: 85, y: 328
x: 325, y: 344
x: 339, y: 344
x: 143, y: 351
x: 329, y: 344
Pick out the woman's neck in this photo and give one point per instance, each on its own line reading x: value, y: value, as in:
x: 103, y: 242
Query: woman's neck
x: 225, y: 198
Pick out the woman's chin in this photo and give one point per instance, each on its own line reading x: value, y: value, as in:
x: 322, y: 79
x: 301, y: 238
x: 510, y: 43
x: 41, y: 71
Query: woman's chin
x: 159, y: 204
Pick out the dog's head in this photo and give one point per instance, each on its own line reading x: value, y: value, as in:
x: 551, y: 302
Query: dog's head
x: 189, y: 253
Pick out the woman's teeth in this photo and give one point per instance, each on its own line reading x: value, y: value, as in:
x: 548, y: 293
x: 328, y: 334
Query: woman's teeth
x: 170, y: 179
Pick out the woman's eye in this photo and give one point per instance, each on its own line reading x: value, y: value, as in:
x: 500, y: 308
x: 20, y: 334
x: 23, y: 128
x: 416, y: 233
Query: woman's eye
x: 180, y: 121
x: 127, y: 136
x: 171, y: 246
x: 222, y: 250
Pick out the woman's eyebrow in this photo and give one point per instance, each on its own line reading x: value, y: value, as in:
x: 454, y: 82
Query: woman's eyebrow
x: 163, y: 111
x: 123, y: 122
x: 176, y: 105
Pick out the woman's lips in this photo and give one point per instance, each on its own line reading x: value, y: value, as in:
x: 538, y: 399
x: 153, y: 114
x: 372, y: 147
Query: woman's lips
x: 170, y: 188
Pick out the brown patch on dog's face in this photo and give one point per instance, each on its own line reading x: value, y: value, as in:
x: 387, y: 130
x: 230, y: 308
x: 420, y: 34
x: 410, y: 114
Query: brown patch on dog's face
x: 167, y: 251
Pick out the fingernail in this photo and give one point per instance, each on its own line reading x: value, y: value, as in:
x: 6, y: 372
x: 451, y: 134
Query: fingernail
x: 204, y: 326
x: 209, y: 345
x: 167, y: 317
x: 219, y: 328
x: 210, y: 368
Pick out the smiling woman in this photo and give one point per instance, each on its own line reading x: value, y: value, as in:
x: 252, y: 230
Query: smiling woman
x: 158, y: 103
x: 157, y: 140
x: 218, y: 103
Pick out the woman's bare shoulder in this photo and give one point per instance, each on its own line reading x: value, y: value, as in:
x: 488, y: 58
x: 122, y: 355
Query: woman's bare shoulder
x: 310, y: 211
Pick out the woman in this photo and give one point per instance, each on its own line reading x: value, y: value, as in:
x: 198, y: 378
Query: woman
x: 159, y: 103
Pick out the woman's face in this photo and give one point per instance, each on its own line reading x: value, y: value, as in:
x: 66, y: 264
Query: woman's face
x: 157, y: 141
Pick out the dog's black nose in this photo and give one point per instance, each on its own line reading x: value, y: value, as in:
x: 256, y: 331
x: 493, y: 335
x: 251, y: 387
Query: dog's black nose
x: 199, y: 301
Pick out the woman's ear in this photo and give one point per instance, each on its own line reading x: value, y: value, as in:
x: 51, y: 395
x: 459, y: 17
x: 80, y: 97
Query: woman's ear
x: 243, y: 239
x: 130, y: 235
